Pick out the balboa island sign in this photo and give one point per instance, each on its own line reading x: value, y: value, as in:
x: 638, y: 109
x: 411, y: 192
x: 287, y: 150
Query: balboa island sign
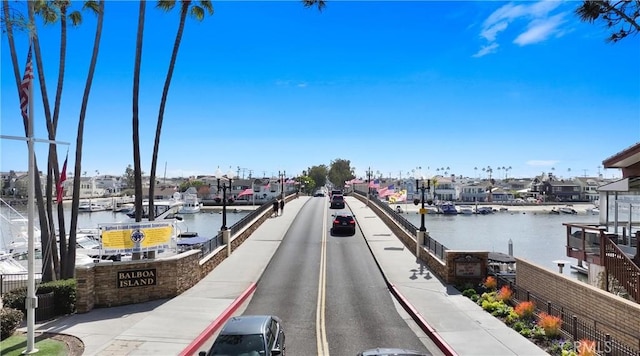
x: 137, y: 278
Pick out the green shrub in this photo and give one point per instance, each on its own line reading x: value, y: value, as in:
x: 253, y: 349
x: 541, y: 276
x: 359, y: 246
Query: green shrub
x: 9, y: 320
x: 503, y: 310
x: 64, y: 296
x: 526, y: 332
x: 469, y: 292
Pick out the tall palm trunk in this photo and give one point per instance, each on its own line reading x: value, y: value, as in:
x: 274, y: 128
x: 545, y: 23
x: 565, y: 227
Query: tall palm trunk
x: 70, y: 267
x: 52, y: 126
x: 137, y: 169
x: 46, y: 243
x: 163, y: 102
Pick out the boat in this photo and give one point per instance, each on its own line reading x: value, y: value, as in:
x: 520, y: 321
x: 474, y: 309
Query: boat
x: 91, y: 207
x: 164, y: 209
x: 484, y: 210
x: 593, y: 211
x: 567, y: 210
x: 432, y: 209
x: 448, y: 208
x: 465, y: 209
x: 191, y: 204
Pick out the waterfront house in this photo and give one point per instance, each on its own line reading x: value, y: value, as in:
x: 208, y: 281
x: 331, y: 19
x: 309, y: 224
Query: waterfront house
x: 589, y: 187
x: 473, y: 192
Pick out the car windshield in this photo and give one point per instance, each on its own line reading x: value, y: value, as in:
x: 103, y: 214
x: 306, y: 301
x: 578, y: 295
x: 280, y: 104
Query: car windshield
x: 238, y: 345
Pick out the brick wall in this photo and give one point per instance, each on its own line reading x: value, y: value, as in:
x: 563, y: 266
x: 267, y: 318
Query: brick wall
x: 589, y: 303
x: 97, y: 284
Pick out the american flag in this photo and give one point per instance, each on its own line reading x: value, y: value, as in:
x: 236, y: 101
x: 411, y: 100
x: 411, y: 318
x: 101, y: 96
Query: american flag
x: 374, y: 184
x: 63, y: 177
x: 24, y: 87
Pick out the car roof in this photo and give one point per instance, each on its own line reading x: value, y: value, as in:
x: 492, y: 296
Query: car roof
x: 390, y: 352
x: 246, y: 324
x: 345, y: 214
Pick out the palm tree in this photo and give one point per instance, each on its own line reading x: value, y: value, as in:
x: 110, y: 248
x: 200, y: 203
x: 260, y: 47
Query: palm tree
x: 50, y: 13
x: 614, y: 15
x: 197, y: 12
x: 71, y: 252
x: 319, y: 3
x: 137, y: 169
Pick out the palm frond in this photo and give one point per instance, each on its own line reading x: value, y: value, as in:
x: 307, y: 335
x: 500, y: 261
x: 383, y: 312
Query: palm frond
x: 76, y: 18
x: 92, y: 5
x: 320, y: 4
x: 166, y: 5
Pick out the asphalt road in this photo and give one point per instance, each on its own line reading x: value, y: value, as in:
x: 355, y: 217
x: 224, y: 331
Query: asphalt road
x: 332, y: 300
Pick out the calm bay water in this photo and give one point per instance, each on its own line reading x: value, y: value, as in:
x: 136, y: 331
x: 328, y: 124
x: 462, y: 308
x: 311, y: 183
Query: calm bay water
x: 537, y: 237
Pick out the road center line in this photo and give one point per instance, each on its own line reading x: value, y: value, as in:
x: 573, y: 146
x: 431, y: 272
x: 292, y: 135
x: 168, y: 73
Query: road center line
x: 321, y: 331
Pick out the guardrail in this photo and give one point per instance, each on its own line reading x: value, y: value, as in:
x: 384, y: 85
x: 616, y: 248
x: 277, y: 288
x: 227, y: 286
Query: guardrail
x: 430, y: 243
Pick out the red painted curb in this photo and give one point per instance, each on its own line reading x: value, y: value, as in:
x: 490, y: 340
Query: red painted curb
x: 428, y: 329
x: 193, y: 347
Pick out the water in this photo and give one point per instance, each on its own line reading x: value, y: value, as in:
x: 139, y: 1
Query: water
x: 537, y: 237
x: 204, y: 223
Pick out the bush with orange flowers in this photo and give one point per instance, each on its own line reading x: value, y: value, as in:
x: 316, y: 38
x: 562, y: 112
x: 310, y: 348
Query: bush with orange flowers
x: 504, y: 294
x: 550, y: 324
x: 587, y: 348
x: 525, y: 309
x: 490, y: 283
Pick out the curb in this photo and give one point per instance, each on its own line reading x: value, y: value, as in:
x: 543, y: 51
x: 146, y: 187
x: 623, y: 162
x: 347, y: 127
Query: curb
x: 409, y: 308
x: 192, y: 348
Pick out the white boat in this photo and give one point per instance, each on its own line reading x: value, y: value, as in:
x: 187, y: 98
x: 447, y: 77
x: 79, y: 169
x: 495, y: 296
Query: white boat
x: 465, y: 209
x: 164, y: 209
x: 567, y: 210
x: 484, y: 210
x: 91, y: 207
x: 593, y: 211
x: 191, y: 204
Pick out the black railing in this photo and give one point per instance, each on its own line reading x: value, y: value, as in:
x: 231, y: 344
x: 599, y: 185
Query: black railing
x: 430, y: 243
x: 576, y: 328
x: 216, y: 242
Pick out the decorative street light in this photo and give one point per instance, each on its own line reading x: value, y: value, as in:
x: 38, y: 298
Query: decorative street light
x: 423, y: 230
x: 281, y: 177
x: 226, y: 185
x: 368, y: 185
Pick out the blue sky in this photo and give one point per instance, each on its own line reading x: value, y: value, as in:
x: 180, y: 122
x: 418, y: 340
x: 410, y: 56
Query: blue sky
x: 271, y: 86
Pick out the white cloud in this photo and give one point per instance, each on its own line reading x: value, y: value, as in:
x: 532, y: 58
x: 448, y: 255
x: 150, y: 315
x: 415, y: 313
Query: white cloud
x: 491, y: 48
x: 540, y: 30
x: 542, y: 163
x: 540, y: 23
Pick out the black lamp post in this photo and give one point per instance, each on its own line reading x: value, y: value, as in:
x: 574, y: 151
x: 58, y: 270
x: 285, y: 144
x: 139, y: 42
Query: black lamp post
x: 281, y: 176
x: 423, y: 230
x: 224, y: 187
x: 420, y: 185
x: 368, y: 184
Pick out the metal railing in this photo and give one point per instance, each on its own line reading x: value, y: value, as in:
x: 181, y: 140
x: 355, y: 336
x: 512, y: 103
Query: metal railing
x: 429, y: 242
x: 618, y: 265
x: 577, y: 328
x: 214, y: 243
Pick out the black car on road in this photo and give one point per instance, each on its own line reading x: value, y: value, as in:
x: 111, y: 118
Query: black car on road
x: 337, y: 202
x: 249, y: 335
x: 343, y: 223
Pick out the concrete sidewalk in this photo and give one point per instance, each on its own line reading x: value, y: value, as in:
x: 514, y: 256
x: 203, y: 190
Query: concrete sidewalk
x: 178, y: 325
x: 168, y: 327
x: 454, y: 320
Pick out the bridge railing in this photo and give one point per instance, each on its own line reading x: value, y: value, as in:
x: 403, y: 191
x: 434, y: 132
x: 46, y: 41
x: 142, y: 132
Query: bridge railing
x: 430, y: 243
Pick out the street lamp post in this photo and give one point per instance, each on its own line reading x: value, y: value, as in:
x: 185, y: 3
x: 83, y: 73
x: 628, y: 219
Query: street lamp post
x: 423, y: 230
x: 282, y: 176
x: 368, y: 184
x: 226, y: 233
